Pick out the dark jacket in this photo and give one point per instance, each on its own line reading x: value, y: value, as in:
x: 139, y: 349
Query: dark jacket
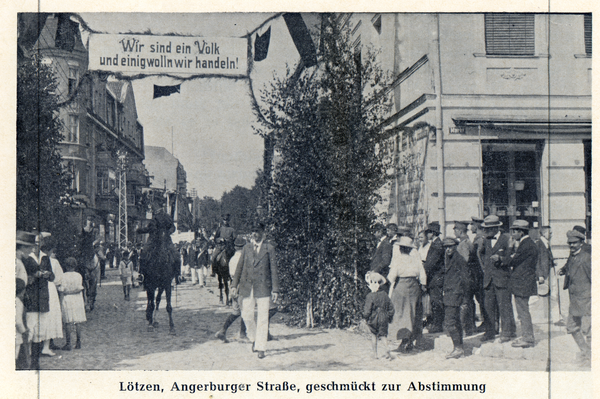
x: 380, y: 262
x: 258, y: 272
x: 523, y: 265
x: 37, y: 296
x: 578, y: 280
x: 545, y: 260
x: 434, y: 264
x: 497, y: 272
x: 455, y: 279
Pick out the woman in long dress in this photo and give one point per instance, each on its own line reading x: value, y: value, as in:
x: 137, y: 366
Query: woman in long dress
x: 51, y: 322
x: 407, y: 277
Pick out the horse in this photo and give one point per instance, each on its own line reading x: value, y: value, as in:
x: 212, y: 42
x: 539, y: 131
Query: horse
x: 221, y: 269
x: 159, y: 265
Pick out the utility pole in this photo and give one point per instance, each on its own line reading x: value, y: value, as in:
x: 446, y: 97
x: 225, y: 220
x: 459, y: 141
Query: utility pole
x: 122, y: 171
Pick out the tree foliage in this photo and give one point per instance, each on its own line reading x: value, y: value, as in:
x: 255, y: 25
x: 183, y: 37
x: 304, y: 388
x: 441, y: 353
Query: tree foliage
x: 42, y: 182
x: 325, y: 125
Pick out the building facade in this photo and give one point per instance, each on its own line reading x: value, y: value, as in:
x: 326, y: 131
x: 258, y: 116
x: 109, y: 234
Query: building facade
x: 492, y: 115
x: 99, y: 119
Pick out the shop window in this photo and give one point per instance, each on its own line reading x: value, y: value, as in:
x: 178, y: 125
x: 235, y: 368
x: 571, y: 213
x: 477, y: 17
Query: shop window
x: 510, y: 34
x: 511, y: 181
x: 587, y: 33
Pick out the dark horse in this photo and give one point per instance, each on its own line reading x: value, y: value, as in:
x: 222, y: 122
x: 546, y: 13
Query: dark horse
x: 221, y: 269
x: 159, y: 264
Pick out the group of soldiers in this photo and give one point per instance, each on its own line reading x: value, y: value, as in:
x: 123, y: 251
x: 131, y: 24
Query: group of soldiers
x: 496, y: 269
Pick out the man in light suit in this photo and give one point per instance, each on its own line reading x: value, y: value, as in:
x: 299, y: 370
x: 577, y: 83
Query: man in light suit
x: 256, y: 280
x: 523, y: 278
x: 496, y: 274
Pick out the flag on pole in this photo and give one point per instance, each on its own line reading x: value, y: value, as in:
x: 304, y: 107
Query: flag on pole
x: 261, y: 45
x: 161, y: 91
x: 301, y: 37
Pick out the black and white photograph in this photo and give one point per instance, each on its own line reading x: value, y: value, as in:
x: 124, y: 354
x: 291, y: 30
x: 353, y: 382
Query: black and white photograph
x: 399, y: 193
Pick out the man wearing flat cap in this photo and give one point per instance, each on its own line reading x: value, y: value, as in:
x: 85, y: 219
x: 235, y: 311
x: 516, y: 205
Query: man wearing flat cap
x: 496, y: 275
x: 256, y: 280
x: 434, y: 267
x: 523, y: 278
x: 578, y: 280
x: 455, y: 287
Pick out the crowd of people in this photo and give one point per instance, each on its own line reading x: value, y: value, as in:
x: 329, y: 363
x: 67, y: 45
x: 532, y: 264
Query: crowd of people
x: 428, y: 285
x: 434, y: 284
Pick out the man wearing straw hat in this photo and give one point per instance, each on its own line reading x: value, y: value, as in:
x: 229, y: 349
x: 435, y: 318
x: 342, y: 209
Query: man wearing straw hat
x: 523, y: 279
x: 496, y: 275
x: 578, y: 280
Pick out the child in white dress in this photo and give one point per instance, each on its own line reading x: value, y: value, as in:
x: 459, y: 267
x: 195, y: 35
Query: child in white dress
x: 126, y: 272
x: 73, y: 308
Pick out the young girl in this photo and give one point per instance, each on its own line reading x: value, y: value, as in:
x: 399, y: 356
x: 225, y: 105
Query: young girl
x: 126, y: 272
x: 73, y: 309
x: 379, y: 312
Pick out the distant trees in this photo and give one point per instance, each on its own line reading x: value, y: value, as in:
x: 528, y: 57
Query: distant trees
x: 328, y: 169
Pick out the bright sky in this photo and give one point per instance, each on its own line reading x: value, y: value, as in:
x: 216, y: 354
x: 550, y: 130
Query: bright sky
x: 211, y: 118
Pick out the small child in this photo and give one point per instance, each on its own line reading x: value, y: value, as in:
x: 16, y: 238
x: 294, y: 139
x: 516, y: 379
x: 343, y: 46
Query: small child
x: 126, y: 272
x: 379, y: 312
x: 19, y: 324
x: 73, y: 308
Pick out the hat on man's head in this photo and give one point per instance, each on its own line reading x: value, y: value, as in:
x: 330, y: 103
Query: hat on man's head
x: 491, y: 221
x: 258, y: 227
x: 476, y: 219
x: 434, y: 227
x: 392, y: 226
x: 25, y: 238
x: 378, y: 227
x: 449, y: 242
x: 376, y: 278
x: 462, y: 225
x: 575, y: 236
x: 226, y: 216
x: 580, y: 229
x: 520, y: 225
x: 239, y: 242
x: 405, y: 241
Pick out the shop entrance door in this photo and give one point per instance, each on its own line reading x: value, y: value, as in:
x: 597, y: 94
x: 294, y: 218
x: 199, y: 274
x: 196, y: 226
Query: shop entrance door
x: 511, y: 181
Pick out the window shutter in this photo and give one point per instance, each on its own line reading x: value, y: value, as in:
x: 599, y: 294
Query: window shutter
x: 510, y: 34
x: 587, y: 33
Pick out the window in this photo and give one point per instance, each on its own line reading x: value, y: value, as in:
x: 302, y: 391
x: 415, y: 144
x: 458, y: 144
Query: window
x: 106, y: 180
x: 510, y: 34
x: 111, y: 111
x: 587, y: 33
x: 73, y: 129
x: 72, y: 79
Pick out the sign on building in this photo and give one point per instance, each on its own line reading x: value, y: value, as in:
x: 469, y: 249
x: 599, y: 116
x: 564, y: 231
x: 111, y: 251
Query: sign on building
x: 150, y: 54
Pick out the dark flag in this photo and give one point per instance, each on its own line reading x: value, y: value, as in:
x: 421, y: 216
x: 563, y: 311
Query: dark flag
x: 301, y: 36
x: 261, y: 45
x: 161, y: 91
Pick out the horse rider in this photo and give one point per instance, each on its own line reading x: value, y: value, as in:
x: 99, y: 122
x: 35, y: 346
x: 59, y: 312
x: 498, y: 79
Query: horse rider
x: 159, y: 228
x: 224, y: 239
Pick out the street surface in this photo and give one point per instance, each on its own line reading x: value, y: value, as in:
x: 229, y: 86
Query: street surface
x: 115, y: 337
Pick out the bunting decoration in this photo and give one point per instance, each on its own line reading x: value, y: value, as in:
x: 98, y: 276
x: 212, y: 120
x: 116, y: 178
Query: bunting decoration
x: 301, y: 37
x: 161, y: 91
x: 261, y: 45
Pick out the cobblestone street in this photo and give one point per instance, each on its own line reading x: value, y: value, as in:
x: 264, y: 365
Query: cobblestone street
x: 116, y: 338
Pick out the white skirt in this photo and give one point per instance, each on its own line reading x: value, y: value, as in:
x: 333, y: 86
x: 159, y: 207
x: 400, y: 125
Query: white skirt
x: 50, y: 323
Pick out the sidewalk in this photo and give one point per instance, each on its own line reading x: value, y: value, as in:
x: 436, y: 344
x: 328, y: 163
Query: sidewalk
x: 115, y: 338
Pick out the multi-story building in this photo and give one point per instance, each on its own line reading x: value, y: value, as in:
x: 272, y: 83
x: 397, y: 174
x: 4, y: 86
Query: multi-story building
x: 492, y: 115
x: 169, y: 177
x: 99, y: 119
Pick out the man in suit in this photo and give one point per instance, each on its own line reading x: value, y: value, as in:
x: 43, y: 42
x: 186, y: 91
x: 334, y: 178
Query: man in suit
x: 523, y: 276
x: 455, y: 289
x: 380, y: 262
x: 578, y: 280
x: 434, y: 267
x: 496, y: 275
x: 257, y: 282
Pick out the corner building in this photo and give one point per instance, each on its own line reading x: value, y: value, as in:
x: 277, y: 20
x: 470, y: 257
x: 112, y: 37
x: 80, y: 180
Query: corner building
x: 492, y: 115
